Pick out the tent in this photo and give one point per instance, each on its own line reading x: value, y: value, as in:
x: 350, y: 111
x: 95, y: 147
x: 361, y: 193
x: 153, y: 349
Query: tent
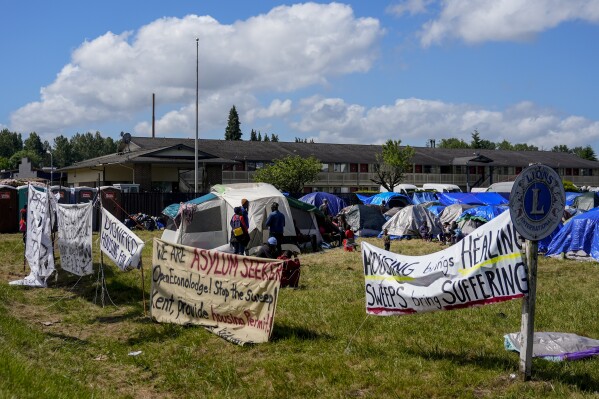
x: 391, y: 199
x: 336, y: 204
x: 304, y: 218
x: 472, y: 198
x: 407, y: 221
x: 364, y: 220
x: 587, y: 201
x: 483, y: 213
x: 204, y: 221
x: 453, y: 212
x: 421, y: 197
x: 579, y: 238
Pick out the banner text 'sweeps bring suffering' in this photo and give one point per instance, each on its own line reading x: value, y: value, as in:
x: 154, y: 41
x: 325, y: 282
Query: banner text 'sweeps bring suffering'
x: 485, y: 267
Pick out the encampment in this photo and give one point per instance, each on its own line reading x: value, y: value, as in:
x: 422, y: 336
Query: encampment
x: 204, y: 222
x: 364, y: 220
x: 408, y: 220
x: 579, y: 238
x: 336, y: 204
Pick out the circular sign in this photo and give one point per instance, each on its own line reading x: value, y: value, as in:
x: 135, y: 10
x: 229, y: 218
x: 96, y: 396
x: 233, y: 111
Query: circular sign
x: 537, y: 202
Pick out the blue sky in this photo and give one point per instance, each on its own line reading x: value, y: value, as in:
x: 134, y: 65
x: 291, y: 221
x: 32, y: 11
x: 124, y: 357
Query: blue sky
x: 347, y: 72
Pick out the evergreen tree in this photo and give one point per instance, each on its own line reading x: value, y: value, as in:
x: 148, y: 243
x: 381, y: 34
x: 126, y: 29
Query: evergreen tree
x: 259, y: 136
x: 10, y: 142
x: 253, y: 136
x: 233, y: 130
x: 274, y: 137
x: 63, y: 152
x: 266, y: 137
x: 34, y: 144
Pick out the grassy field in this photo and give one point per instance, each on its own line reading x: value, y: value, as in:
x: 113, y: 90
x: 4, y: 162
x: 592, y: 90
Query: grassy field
x: 61, y: 342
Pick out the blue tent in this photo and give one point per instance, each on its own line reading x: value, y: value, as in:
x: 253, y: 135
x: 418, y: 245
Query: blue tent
x: 579, y: 238
x: 420, y: 197
x: 335, y: 203
x: 392, y: 200
x: 365, y: 198
x: 483, y: 213
x: 472, y: 198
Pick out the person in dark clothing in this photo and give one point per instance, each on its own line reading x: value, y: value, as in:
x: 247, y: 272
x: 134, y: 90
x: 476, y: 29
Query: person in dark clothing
x: 276, y: 224
x: 268, y: 250
x: 324, y: 208
x: 291, y: 270
x: 386, y: 240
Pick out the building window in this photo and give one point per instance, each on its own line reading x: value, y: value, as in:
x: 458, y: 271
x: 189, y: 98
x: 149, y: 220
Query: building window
x: 417, y: 168
x: 445, y: 169
x: 238, y: 167
x: 576, y: 172
x: 568, y: 171
x: 325, y: 167
x: 227, y: 166
x: 339, y: 167
x: 428, y: 169
x: 363, y: 168
x: 353, y: 167
x: 518, y: 170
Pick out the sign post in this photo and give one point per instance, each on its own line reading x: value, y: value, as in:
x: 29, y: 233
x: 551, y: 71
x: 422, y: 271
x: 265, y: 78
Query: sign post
x: 537, y: 204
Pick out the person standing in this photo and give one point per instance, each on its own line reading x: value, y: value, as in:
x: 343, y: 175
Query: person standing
x: 23, y: 222
x: 276, y: 224
x: 387, y: 240
x: 239, y: 231
x: 324, y: 208
x: 245, y: 206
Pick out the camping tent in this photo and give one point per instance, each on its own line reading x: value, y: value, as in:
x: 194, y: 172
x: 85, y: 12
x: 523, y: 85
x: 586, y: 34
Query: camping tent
x: 391, y: 199
x: 364, y: 220
x: 472, y: 198
x: 421, y: 197
x: 407, y: 221
x: 204, y: 222
x: 587, y: 201
x: 579, y: 238
x: 453, y: 212
x: 336, y: 204
x: 304, y: 218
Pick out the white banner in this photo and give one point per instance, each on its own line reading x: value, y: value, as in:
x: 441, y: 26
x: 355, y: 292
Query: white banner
x: 75, y: 238
x: 39, y: 250
x: 119, y: 243
x: 484, y: 267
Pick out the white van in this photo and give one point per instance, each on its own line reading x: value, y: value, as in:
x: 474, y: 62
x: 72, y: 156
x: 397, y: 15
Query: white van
x: 442, y: 188
x: 501, y: 187
x: 406, y: 189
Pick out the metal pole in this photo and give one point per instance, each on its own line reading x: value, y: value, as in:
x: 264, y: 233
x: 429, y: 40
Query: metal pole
x: 197, y: 97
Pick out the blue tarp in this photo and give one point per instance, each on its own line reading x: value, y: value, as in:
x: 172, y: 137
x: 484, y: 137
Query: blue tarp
x: 335, y: 203
x: 483, y: 213
x: 392, y: 200
x: 173, y: 209
x: 570, y: 197
x: 543, y: 244
x: 581, y: 233
x: 420, y: 197
x: 364, y: 198
x: 472, y: 198
x: 436, y: 209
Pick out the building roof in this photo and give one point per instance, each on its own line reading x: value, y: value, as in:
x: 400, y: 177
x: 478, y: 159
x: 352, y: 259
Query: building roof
x: 223, y: 151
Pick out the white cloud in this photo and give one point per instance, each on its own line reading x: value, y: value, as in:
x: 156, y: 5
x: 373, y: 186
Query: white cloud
x: 414, y: 121
x: 475, y: 21
x: 112, y: 77
x: 411, y: 7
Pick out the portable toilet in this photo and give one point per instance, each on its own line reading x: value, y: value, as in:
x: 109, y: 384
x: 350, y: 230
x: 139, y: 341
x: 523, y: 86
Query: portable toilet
x: 9, y: 205
x: 64, y: 194
x: 111, y: 200
x: 82, y: 195
x: 23, y: 194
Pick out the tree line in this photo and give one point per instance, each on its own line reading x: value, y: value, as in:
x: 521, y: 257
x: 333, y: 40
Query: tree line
x: 477, y: 142
x: 64, y: 151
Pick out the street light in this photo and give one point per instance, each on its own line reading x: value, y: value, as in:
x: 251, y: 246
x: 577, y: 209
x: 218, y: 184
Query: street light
x: 197, y: 90
x: 51, y: 167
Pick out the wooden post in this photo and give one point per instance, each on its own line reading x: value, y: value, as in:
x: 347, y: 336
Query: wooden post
x: 143, y: 287
x: 528, y: 311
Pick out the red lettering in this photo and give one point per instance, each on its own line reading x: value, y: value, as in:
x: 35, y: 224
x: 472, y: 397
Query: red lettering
x: 196, y: 260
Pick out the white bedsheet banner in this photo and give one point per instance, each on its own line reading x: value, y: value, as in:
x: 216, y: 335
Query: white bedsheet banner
x: 75, y: 238
x: 485, y: 267
x: 119, y: 243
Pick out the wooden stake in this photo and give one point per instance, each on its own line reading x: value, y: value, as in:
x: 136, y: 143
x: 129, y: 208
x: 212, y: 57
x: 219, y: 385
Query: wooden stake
x: 528, y: 311
x: 143, y: 287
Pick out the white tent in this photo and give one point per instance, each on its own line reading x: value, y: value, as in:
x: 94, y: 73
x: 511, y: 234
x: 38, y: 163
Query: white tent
x: 206, y: 224
x: 407, y: 221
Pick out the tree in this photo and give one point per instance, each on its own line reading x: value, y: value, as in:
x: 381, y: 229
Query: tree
x: 63, y: 152
x: 274, y: 137
x: 525, y: 147
x: 392, y: 163
x: 34, y: 158
x: 34, y: 145
x: 259, y: 136
x: 290, y: 174
x: 453, y: 143
x: 560, y: 148
x: 478, y: 143
x: 10, y: 142
x: 266, y: 138
x: 253, y: 136
x: 585, y: 152
x: 233, y: 130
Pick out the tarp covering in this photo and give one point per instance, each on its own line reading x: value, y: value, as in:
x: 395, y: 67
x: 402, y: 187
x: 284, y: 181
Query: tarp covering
x: 483, y: 213
x: 587, y: 201
x: 408, y: 220
x: 472, y: 198
x: 366, y: 221
x: 392, y: 200
x: 453, y: 212
x: 420, y: 197
x: 173, y: 209
x: 555, y: 346
x: 336, y: 204
x: 579, y: 238
x: 570, y: 197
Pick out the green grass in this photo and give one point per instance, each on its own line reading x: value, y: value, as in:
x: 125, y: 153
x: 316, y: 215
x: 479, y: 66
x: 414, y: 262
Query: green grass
x: 61, y: 342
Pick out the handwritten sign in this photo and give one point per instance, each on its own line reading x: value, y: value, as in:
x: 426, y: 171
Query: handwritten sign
x: 233, y: 296
x: 39, y: 250
x: 119, y: 243
x: 75, y: 238
x: 484, y: 267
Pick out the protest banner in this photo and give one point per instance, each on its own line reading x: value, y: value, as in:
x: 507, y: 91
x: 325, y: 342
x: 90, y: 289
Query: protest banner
x: 39, y: 250
x: 233, y: 296
x: 75, y: 238
x: 119, y: 243
x: 485, y: 267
